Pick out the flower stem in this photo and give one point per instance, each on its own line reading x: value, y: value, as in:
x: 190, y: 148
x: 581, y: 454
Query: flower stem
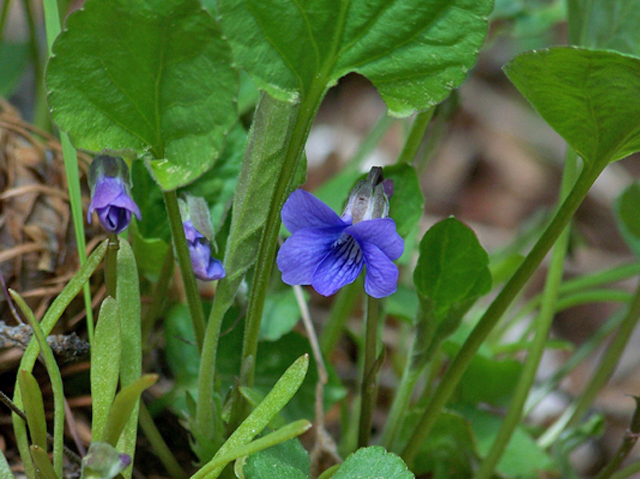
x: 575, y: 412
x: 186, y: 269
x: 543, y: 326
x: 628, y: 442
x: 491, y: 317
x: 111, y: 265
x: 369, y: 387
x: 416, y: 134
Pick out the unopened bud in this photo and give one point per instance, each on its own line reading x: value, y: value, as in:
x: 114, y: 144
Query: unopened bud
x: 369, y: 198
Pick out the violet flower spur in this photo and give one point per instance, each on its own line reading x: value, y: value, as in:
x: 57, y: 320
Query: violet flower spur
x: 205, y: 267
x: 328, y: 252
x: 110, y: 194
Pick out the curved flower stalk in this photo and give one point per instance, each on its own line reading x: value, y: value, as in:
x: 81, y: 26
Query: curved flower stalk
x: 111, y: 194
x: 196, y: 221
x: 328, y: 252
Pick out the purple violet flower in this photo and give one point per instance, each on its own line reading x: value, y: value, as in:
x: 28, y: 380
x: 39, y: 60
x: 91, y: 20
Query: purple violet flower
x: 205, y: 266
x: 110, y: 194
x: 328, y: 252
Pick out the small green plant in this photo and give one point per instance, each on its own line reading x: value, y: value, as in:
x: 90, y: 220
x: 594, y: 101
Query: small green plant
x: 160, y: 92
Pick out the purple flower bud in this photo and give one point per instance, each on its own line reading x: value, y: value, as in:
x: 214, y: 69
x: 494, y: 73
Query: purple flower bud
x: 205, y: 266
x: 369, y: 198
x: 111, y: 193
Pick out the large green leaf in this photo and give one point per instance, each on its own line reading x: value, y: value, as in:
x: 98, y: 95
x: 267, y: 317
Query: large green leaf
x: 590, y: 97
x: 373, y: 462
x: 146, y: 76
x: 415, y: 52
x: 610, y: 24
x: 451, y: 274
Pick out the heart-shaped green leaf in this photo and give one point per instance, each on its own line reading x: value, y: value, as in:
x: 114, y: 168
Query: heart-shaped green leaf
x: 590, y: 97
x: 414, y: 52
x: 149, y: 76
x: 452, y: 267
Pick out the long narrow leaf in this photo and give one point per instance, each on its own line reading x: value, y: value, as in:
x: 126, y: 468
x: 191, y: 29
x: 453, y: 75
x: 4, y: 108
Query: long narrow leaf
x: 285, y: 433
x: 128, y: 298
x: 30, y: 355
x: 123, y: 406
x: 275, y: 401
x: 33, y: 408
x: 44, y: 469
x: 105, y: 364
x: 56, y: 382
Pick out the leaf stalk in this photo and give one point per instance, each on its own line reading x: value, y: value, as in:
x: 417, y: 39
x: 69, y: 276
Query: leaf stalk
x: 543, y: 326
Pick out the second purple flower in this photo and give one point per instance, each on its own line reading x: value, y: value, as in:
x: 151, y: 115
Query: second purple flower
x: 111, y: 193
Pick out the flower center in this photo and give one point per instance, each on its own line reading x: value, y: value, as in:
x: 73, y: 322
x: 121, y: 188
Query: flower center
x: 347, y: 248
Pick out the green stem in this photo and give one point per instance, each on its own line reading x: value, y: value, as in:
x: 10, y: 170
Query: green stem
x: 184, y: 263
x: 491, y: 317
x: 607, y: 365
x: 207, y: 419
x: 420, y: 354
x: 56, y: 383
x: 577, y: 284
x: 628, y: 442
x: 158, y: 444
x: 401, y: 401
x: 599, y: 295
x: 52, y: 27
x: 269, y: 239
x: 543, y: 326
x: 369, y: 386
x: 345, y: 302
x: 416, y: 134
x: 111, y: 265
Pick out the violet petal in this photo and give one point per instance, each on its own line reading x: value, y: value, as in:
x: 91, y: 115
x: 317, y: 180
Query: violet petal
x: 382, y: 233
x: 114, y: 219
x: 303, y: 251
x: 303, y: 210
x: 341, y: 267
x: 381, y: 278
